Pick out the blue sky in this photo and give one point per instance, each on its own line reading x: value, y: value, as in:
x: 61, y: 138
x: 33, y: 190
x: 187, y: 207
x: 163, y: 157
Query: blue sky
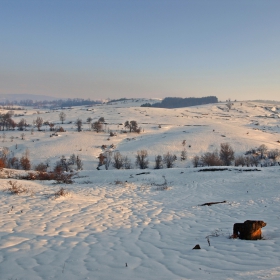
x: 156, y: 48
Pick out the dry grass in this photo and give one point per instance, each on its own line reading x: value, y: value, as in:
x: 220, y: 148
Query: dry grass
x: 16, y: 188
x: 61, y: 192
x: 58, y: 176
x: 117, y: 182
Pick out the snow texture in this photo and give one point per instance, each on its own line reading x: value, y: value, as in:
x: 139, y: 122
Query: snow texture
x: 115, y: 224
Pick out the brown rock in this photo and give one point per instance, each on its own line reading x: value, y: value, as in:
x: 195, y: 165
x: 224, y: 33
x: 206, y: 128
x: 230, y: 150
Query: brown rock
x: 249, y: 230
x: 196, y: 247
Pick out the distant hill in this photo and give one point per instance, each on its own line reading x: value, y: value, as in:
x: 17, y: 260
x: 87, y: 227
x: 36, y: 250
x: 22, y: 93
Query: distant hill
x: 25, y: 96
x: 177, y: 102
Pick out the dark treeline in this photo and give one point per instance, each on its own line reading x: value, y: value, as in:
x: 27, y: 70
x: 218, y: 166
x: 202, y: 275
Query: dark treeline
x: 54, y: 103
x: 76, y: 102
x: 177, y: 102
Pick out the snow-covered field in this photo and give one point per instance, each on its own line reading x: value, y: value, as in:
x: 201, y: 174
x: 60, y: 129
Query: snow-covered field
x: 122, y: 224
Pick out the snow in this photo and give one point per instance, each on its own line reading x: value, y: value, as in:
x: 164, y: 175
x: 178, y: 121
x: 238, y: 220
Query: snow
x: 120, y: 224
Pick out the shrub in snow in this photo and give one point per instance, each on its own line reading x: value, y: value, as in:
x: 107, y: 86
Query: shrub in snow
x: 41, y: 167
x: 127, y: 163
x: 184, y: 155
x: 61, y: 192
x: 158, y: 162
x: 196, y: 161
x: 38, y: 122
x: 107, y: 159
x: 142, y: 159
x: 226, y: 154
x: 79, y: 124
x: 240, y: 160
x: 62, y: 117
x: 262, y: 149
x: 118, y: 160
x: 211, y: 159
x: 15, y: 188
x: 97, y: 126
x: 169, y: 159
x: 25, y: 162
x: 132, y: 126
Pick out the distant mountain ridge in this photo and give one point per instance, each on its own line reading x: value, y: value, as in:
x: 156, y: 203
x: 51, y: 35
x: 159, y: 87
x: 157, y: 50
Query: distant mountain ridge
x: 26, y: 96
x: 178, y: 102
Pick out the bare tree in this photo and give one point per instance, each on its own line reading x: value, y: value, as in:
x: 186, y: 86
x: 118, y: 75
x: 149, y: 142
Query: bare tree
x: 41, y: 167
x: 14, y: 163
x: 169, y: 160
x: 118, y: 160
x: 12, y: 124
x: 46, y: 123
x: 142, y: 159
x: 101, y: 119
x: 5, y: 120
x: 51, y: 125
x: 22, y: 124
x: 247, y: 161
x: 24, y: 160
x: 226, y: 154
x: 127, y: 163
x: 63, y: 163
x: 255, y: 160
x: 184, y: 155
x: 4, y: 154
x: 79, y: 163
x: 79, y: 124
x: 196, y: 161
x: 97, y: 126
x: 72, y: 160
x: 38, y: 122
x: 66, y: 165
x: 158, y: 162
x: 132, y: 126
x: 274, y: 155
x: 62, y: 117
x: 211, y: 159
x: 262, y: 149
x: 89, y: 120
x: 240, y: 160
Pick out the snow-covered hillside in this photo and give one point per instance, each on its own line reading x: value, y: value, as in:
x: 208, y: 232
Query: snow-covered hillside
x: 142, y: 224
x: 163, y: 130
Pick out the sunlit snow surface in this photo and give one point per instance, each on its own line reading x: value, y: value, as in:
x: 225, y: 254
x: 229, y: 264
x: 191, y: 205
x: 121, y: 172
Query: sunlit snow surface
x: 115, y: 217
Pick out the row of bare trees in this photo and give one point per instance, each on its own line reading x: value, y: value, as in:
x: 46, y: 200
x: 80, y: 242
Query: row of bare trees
x: 118, y: 161
x: 226, y: 157
x: 6, y: 121
x: 96, y: 126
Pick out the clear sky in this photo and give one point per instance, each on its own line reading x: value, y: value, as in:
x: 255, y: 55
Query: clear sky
x: 141, y: 48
